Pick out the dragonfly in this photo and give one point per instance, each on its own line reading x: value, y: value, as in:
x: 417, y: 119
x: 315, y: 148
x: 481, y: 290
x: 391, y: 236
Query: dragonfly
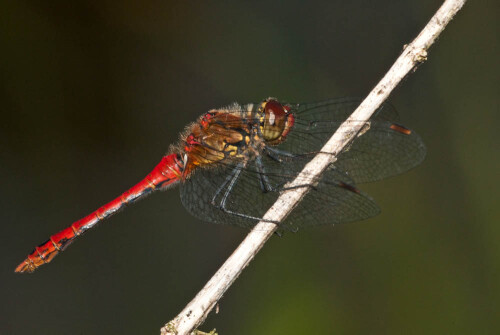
x: 233, y: 163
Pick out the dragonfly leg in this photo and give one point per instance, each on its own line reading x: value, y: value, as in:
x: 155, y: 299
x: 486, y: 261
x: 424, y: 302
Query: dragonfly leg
x: 277, y: 154
x: 236, y: 170
x: 312, y: 186
x: 235, y: 174
x: 265, y: 184
x: 233, y: 177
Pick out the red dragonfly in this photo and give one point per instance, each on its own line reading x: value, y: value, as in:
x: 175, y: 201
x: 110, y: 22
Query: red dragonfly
x: 233, y: 162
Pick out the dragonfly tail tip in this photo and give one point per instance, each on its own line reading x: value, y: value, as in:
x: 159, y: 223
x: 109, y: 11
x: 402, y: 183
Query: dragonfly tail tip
x: 25, y: 266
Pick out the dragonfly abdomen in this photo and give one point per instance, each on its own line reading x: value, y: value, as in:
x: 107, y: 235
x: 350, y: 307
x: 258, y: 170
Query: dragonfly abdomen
x: 167, y: 173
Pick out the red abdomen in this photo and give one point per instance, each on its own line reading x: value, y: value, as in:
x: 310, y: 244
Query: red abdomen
x: 167, y: 173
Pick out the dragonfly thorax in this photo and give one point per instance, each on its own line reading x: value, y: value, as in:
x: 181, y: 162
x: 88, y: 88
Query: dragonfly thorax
x: 275, y: 122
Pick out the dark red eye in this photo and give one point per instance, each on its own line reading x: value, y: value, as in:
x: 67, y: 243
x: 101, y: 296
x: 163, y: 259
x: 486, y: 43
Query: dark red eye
x: 273, y: 106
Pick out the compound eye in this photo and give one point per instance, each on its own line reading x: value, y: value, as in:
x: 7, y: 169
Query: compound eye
x: 274, y: 112
x: 274, y: 120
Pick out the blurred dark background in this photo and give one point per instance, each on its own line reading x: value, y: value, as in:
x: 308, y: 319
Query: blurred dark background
x: 93, y: 92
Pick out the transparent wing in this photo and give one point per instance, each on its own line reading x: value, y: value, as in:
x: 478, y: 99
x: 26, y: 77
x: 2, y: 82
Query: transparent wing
x: 384, y: 149
x: 332, y: 198
x: 236, y: 192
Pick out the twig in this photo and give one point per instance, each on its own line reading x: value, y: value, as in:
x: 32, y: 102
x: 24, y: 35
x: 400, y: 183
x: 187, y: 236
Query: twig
x: 413, y: 54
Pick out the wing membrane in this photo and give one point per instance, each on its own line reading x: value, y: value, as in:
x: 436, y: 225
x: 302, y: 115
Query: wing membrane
x: 383, y: 149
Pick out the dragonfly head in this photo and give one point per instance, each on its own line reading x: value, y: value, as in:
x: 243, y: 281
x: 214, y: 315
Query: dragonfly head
x: 276, y: 121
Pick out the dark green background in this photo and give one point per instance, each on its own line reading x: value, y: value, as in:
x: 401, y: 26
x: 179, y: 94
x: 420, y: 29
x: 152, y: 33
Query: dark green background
x: 93, y: 92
